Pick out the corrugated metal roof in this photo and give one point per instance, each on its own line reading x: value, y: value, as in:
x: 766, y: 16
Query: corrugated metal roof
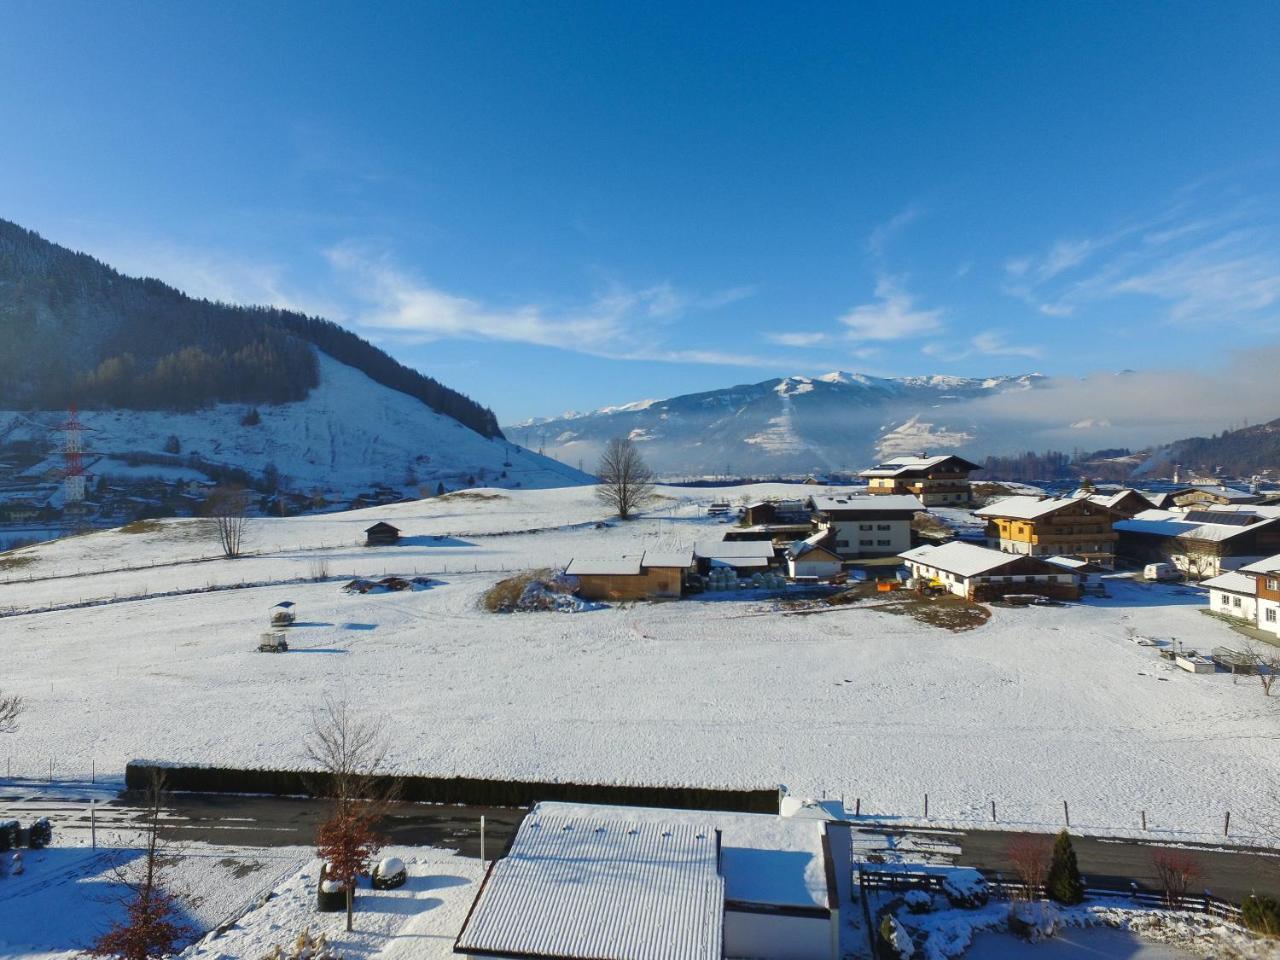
x: 604, y: 566
x: 667, y: 558
x: 602, y: 889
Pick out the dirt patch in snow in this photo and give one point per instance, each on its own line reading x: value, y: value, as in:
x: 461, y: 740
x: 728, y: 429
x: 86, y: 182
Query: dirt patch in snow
x: 950, y: 613
x: 472, y: 495
x: 503, y: 596
x: 142, y: 526
x: 15, y: 561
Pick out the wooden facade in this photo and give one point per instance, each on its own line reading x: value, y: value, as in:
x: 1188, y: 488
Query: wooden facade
x: 936, y: 481
x: 1077, y: 528
x: 381, y: 534
x: 651, y: 583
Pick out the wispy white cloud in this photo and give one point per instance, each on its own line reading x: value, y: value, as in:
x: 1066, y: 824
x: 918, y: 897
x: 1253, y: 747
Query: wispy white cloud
x: 893, y: 316
x: 617, y: 323
x: 799, y: 338
x: 879, y: 237
x: 989, y: 343
x: 1221, y: 266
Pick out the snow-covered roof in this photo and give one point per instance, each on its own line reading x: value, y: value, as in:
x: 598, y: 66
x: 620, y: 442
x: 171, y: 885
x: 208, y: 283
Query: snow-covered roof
x: 667, y: 558
x: 730, y: 549
x: 867, y: 503
x: 815, y: 541
x: 962, y: 559
x: 895, y: 466
x: 764, y: 858
x: 1025, y: 508
x: 1227, y: 493
x: 1070, y: 563
x: 1218, y: 532
x: 1111, y: 499
x: 604, y: 566
x: 1231, y: 582
x: 593, y: 887
x: 741, y: 563
x: 1269, y: 565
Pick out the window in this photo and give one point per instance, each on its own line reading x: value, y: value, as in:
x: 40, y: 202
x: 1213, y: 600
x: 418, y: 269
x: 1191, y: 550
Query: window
x: 883, y: 526
x: 865, y: 543
x: 864, y: 526
x: 1273, y: 584
x: 1235, y: 602
x: 883, y: 543
x: 1271, y: 614
x: 1225, y: 600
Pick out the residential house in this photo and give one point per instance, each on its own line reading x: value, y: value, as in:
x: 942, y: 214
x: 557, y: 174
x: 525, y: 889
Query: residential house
x: 1052, y: 526
x: 812, y: 557
x: 780, y: 521
x: 584, y: 882
x: 867, y: 526
x: 1200, y: 543
x: 980, y: 573
x: 651, y: 575
x: 1234, y: 594
x: 1212, y: 495
x: 934, y: 481
x: 1266, y: 576
x: 1123, y: 503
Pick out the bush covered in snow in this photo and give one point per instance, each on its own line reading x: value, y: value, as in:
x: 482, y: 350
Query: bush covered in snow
x: 965, y: 887
x: 918, y: 901
x: 537, y: 590
x: 40, y: 834
x: 896, y: 937
x: 1034, y: 920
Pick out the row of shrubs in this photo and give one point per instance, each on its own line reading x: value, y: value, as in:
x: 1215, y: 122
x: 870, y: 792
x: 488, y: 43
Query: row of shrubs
x: 35, y: 837
x: 463, y: 790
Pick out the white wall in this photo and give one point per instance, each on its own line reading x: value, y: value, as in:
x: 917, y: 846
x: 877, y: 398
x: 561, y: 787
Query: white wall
x: 1243, y: 607
x: 757, y: 936
x: 849, y: 537
x: 1271, y: 626
x: 820, y: 567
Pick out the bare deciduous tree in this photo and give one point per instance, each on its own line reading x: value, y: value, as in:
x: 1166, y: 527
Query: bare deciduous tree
x: 351, y: 753
x: 1176, y: 870
x: 228, y: 508
x: 153, y: 925
x: 626, y: 482
x: 1029, y: 857
x: 11, y: 708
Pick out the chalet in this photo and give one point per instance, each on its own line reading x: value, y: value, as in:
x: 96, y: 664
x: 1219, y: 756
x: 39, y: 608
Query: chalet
x: 586, y: 882
x: 1233, y: 594
x: 1200, y: 543
x: 1266, y: 576
x: 651, y: 575
x: 934, y: 481
x: 867, y: 526
x: 779, y: 521
x: 381, y: 534
x: 1052, y: 526
x: 812, y: 557
x: 980, y: 573
x: 1212, y: 495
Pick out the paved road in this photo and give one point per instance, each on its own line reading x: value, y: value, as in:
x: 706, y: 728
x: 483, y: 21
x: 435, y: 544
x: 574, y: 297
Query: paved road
x: 287, y: 821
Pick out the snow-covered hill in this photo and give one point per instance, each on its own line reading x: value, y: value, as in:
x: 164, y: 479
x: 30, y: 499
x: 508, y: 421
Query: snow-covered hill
x: 348, y: 435
x: 836, y: 422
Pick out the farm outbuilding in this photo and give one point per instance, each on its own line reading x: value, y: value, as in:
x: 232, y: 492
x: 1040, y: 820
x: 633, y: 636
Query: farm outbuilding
x: 652, y: 575
x: 980, y: 573
x: 813, y: 558
x: 381, y: 534
x: 1233, y: 594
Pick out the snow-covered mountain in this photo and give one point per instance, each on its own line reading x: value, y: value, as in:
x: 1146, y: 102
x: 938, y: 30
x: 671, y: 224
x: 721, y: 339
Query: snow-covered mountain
x: 349, y: 435
x: 837, y: 422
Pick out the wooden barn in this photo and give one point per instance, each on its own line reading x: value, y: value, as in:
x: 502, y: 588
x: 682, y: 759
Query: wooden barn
x: 648, y: 576
x: 381, y: 534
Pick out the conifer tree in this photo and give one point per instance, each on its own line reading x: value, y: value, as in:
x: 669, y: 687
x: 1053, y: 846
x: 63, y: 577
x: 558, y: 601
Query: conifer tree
x: 1064, y: 884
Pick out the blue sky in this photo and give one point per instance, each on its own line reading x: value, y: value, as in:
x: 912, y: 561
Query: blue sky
x: 555, y: 205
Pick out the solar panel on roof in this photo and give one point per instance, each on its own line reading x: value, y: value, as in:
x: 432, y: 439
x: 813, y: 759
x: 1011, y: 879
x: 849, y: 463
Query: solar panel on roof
x: 1232, y: 519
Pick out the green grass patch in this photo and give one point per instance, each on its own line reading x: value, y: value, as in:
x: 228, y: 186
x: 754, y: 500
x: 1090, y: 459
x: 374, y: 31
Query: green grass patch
x: 142, y: 526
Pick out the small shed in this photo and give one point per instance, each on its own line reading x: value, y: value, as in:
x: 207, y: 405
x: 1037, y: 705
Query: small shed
x: 651, y: 575
x: 812, y: 557
x: 381, y: 534
x: 283, y: 614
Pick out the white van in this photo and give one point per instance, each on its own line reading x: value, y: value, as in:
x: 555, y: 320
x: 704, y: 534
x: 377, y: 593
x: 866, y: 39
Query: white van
x: 1161, y: 571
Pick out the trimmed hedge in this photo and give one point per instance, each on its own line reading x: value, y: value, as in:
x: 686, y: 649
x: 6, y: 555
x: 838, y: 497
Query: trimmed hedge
x: 462, y: 790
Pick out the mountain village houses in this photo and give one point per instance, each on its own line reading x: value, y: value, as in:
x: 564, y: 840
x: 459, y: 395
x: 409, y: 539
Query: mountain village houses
x: 934, y: 481
x: 1052, y: 526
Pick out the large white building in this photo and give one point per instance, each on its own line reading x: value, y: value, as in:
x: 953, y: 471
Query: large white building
x: 867, y: 526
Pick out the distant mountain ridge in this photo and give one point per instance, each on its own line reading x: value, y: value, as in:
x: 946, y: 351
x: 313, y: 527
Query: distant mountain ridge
x: 1242, y: 453
x: 837, y: 422
x: 77, y: 331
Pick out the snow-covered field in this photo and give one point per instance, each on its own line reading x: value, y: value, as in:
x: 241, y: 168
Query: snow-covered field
x: 1037, y: 706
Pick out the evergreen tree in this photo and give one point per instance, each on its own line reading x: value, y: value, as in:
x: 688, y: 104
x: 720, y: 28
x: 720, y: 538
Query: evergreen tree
x: 1064, y: 884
